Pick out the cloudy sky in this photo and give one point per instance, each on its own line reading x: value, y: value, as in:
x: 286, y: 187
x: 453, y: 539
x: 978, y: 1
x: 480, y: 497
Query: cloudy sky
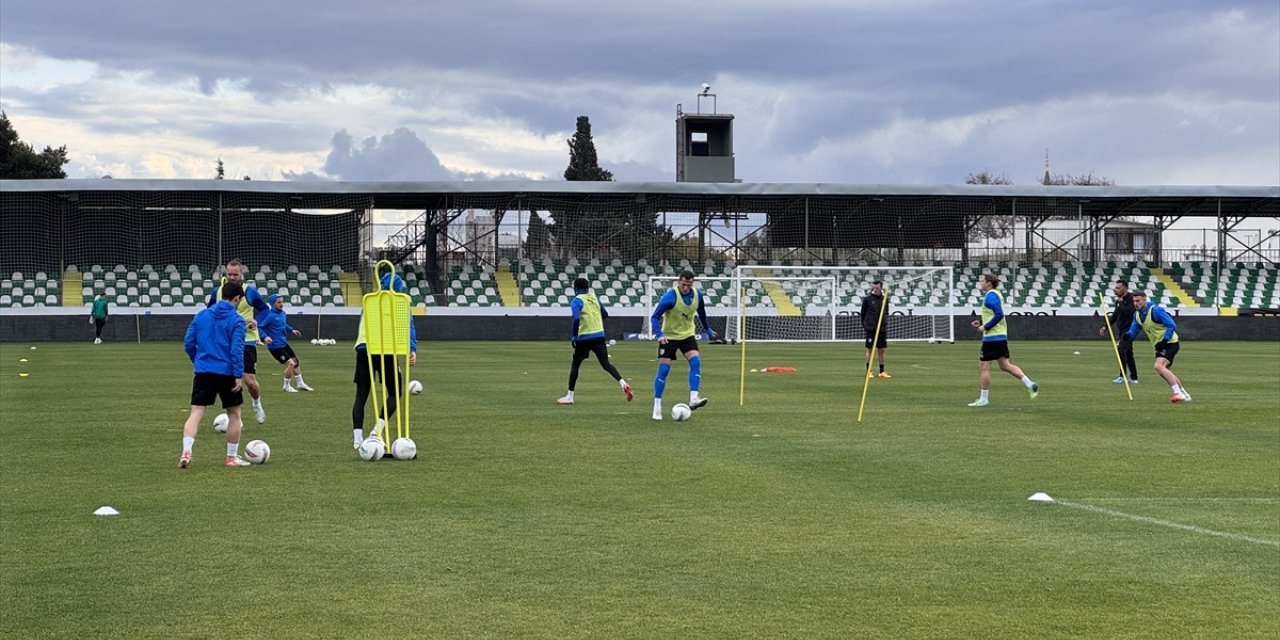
x: 849, y: 91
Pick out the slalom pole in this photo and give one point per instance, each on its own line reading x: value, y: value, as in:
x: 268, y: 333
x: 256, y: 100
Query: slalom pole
x: 1102, y: 304
x: 875, y: 339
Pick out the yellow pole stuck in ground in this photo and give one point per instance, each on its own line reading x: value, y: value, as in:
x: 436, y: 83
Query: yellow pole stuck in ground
x: 1102, y: 304
x: 386, y: 324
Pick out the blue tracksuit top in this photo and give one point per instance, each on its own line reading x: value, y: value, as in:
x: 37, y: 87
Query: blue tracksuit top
x: 275, y: 325
x: 215, y: 341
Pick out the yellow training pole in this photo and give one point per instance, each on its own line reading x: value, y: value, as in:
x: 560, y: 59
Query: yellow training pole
x: 742, y: 340
x: 1102, y: 304
x: 875, y: 339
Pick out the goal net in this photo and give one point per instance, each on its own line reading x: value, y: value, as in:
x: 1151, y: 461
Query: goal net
x: 823, y: 304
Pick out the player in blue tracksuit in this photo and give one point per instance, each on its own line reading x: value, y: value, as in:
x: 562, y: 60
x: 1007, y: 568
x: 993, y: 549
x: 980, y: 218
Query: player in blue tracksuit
x: 1162, y: 331
x: 215, y: 343
x: 275, y: 330
x: 384, y: 368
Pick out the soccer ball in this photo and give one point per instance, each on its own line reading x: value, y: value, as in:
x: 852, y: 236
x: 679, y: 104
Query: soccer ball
x: 415, y: 387
x: 404, y: 449
x: 372, y: 449
x: 220, y: 423
x: 681, y: 412
x: 315, y: 341
x: 257, y: 452
x: 613, y: 343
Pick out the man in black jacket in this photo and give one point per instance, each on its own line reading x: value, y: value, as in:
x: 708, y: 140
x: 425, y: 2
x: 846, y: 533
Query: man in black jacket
x: 1120, y: 319
x: 870, y: 316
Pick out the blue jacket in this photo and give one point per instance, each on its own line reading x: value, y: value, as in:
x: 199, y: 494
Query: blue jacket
x: 275, y: 325
x: 215, y: 341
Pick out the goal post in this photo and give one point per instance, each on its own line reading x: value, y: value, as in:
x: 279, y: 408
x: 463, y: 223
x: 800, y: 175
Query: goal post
x: 823, y: 304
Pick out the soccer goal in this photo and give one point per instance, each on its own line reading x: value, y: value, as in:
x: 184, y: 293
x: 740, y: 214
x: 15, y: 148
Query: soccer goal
x: 822, y: 304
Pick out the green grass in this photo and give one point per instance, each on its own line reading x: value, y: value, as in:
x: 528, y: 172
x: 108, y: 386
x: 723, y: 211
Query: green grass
x: 522, y: 518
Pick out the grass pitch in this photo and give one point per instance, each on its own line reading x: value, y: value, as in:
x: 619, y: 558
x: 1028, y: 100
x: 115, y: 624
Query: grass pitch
x: 521, y: 518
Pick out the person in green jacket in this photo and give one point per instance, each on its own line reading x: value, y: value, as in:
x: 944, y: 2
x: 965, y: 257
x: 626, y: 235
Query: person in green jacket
x: 98, y: 318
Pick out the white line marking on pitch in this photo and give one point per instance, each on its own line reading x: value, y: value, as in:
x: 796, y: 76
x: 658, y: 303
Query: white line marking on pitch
x: 1186, y: 499
x: 1168, y: 523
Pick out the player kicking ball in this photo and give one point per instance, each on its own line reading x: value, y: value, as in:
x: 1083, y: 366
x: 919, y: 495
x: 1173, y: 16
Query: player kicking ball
x: 275, y: 329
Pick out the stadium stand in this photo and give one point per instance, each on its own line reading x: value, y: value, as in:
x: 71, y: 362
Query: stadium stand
x: 546, y: 283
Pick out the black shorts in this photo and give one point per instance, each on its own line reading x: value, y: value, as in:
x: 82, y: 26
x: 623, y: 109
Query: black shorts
x: 386, y: 363
x: 207, y: 386
x: 1168, y: 351
x: 684, y: 346
x: 871, y: 335
x: 251, y: 359
x: 283, y: 354
x: 584, y: 348
x: 994, y: 350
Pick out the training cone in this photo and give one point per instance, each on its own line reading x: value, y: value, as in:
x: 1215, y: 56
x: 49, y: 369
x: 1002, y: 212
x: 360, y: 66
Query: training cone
x: 106, y: 511
x: 1040, y: 496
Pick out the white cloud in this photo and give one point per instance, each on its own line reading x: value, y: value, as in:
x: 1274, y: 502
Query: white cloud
x: 868, y: 91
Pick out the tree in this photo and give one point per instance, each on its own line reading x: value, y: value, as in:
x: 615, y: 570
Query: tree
x: 994, y: 227
x: 580, y: 232
x: 538, y: 241
x: 583, y: 164
x: 19, y: 161
x: 1082, y: 180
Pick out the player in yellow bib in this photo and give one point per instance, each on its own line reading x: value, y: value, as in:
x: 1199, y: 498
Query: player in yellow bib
x: 588, y: 337
x: 673, y: 323
x: 995, y: 342
x: 1162, y: 331
x: 251, y: 305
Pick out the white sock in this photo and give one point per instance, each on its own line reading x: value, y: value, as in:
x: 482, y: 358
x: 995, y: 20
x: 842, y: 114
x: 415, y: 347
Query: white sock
x: 693, y: 397
x: 622, y: 382
x: 569, y: 395
x: 1026, y: 382
x: 657, y: 404
x: 983, y: 394
x: 187, y: 443
x: 257, y: 402
x: 233, y: 449
x: 1177, y: 388
x: 286, y: 383
x: 359, y: 435
x: 298, y: 380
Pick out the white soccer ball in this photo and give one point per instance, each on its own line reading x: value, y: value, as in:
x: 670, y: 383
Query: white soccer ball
x: 315, y: 341
x: 613, y: 342
x: 257, y: 452
x: 404, y: 449
x: 221, y: 422
x: 372, y: 449
x: 681, y: 412
x: 415, y: 387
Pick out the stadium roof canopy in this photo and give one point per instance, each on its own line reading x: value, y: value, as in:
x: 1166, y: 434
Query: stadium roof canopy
x: 1089, y: 201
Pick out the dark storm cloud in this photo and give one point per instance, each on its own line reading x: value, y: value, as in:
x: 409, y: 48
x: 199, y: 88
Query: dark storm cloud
x: 399, y: 155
